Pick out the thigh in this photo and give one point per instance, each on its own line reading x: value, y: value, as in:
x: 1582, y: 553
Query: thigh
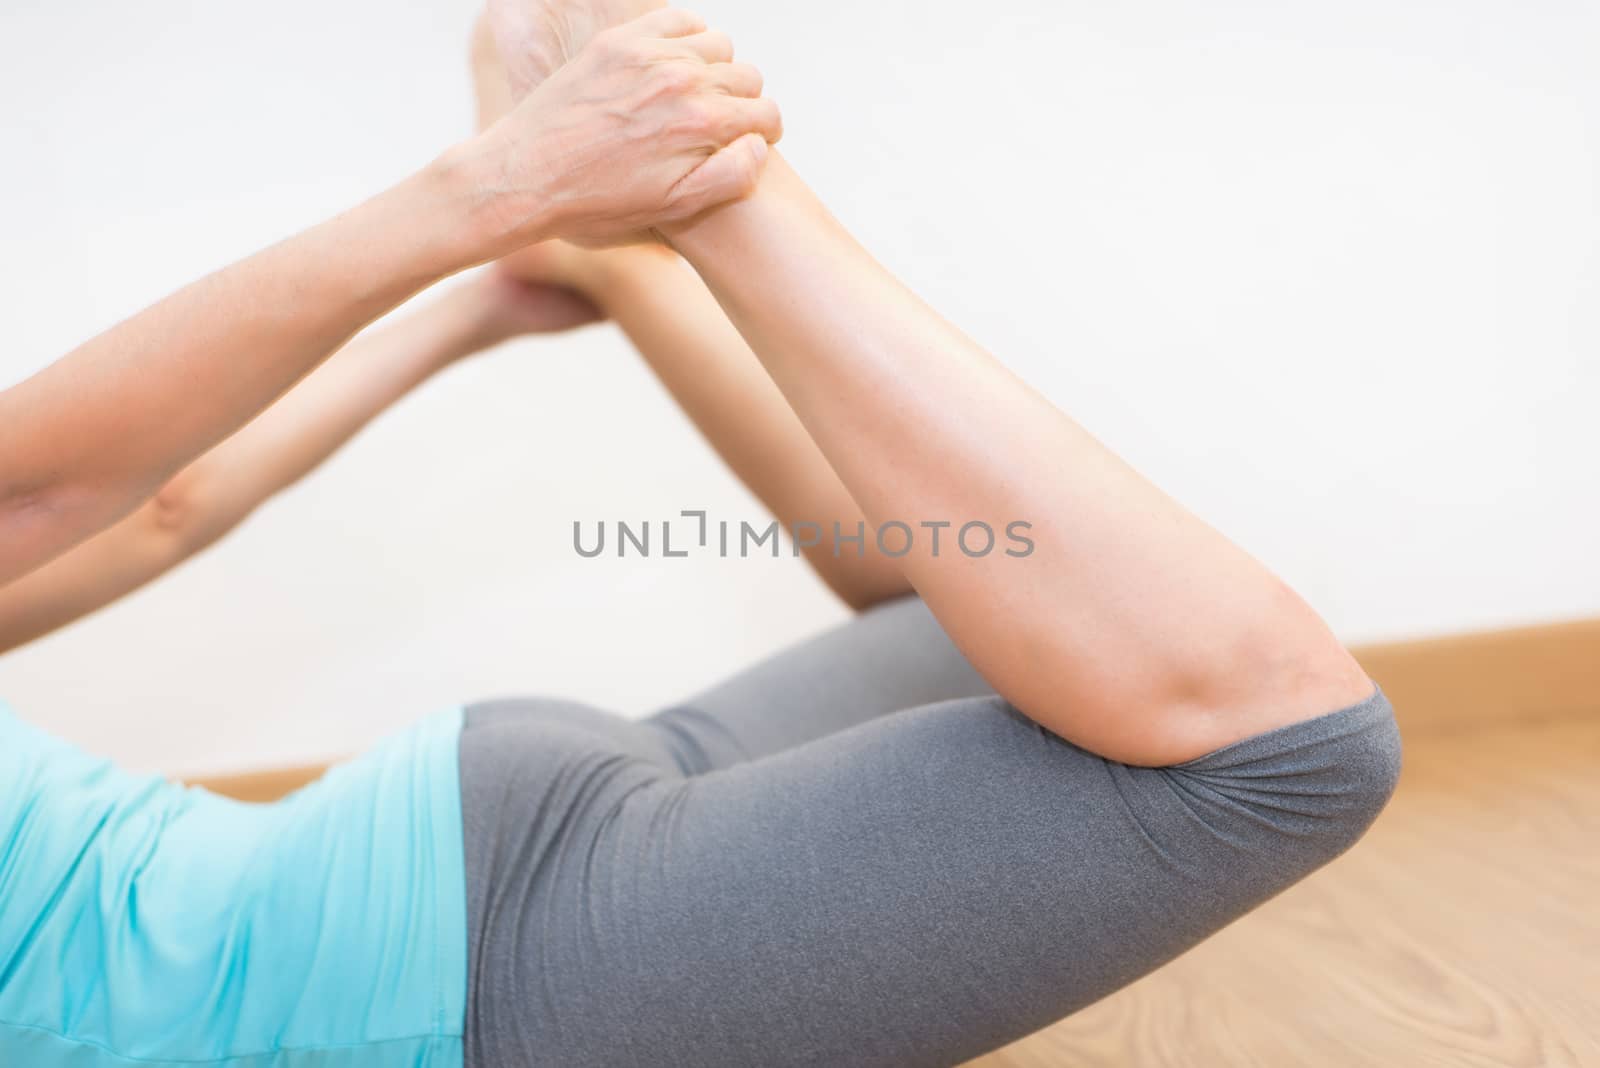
x: 541, y: 731
x: 914, y: 891
x: 890, y: 658
x: 536, y: 775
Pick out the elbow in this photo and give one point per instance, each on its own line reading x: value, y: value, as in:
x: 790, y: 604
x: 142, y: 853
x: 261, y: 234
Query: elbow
x: 171, y: 510
x: 179, y: 519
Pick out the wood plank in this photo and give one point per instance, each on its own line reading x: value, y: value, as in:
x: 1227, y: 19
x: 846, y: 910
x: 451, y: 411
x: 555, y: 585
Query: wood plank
x: 261, y: 785
x: 1524, y: 674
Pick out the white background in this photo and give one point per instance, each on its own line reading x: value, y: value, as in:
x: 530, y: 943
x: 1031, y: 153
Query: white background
x: 1326, y: 271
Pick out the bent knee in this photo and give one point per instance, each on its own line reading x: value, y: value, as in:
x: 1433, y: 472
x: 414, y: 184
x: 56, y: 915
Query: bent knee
x: 1300, y: 795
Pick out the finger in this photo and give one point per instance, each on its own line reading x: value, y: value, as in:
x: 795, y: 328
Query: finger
x: 727, y: 174
x: 737, y: 79
x: 711, y: 46
x: 740, y: 116
x: 668, y: 22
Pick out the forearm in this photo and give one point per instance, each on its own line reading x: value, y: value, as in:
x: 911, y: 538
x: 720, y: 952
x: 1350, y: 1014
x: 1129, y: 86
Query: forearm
x: 214, y: 494
x: 1131, y: 627
x: 684, y: 336
x: 321, y: 414
x: 92, y: 436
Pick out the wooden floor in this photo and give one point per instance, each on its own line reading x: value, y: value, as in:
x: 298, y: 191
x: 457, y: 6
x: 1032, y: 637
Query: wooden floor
x: 1463, y: 930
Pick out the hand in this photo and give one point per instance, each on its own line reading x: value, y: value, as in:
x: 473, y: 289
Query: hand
x: 551, y: 263
x: 651, y: 123
x: 536, y: 37
x: 507, y: 306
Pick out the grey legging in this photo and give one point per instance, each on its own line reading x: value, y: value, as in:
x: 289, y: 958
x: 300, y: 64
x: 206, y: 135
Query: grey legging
x: 856, y: 854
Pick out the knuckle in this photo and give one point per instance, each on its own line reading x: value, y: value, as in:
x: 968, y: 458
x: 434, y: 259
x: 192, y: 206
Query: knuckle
x: 698, y: 116
x: 675, y: 78
x: 619, y: 48
x: 744, y: 80
x: 633, y: 51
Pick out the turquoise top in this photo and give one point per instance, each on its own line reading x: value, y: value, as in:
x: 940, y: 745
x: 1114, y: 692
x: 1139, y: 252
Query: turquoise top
x: 146, y: 925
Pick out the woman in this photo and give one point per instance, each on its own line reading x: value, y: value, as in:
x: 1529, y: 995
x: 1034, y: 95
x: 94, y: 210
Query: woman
x: 885, y: 847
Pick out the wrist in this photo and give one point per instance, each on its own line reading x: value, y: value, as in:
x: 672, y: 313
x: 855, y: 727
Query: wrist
x: 780, y: 228
x: 491, y: 216
x: 727, y: 225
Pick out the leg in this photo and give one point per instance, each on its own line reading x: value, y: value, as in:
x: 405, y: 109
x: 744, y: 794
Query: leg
x: 1132, y: 627
x: 890, y: 658
x: 913, y: 891
x: 1126, y: 624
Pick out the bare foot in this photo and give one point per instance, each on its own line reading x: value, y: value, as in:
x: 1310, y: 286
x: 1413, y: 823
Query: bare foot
x: 537, y: 36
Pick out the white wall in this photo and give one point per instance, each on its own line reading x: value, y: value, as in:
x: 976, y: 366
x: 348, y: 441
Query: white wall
x: 1327, y: 271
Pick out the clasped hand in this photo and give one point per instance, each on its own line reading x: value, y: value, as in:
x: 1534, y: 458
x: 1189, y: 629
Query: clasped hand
x: 651, y: 122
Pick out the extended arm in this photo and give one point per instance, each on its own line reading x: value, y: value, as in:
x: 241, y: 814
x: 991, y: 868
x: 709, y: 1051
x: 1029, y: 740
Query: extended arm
x: 1132, y: 629
x: 649, y: 123
x: 681, y: 332
x: 92, y: 436
x: 214, y: 494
